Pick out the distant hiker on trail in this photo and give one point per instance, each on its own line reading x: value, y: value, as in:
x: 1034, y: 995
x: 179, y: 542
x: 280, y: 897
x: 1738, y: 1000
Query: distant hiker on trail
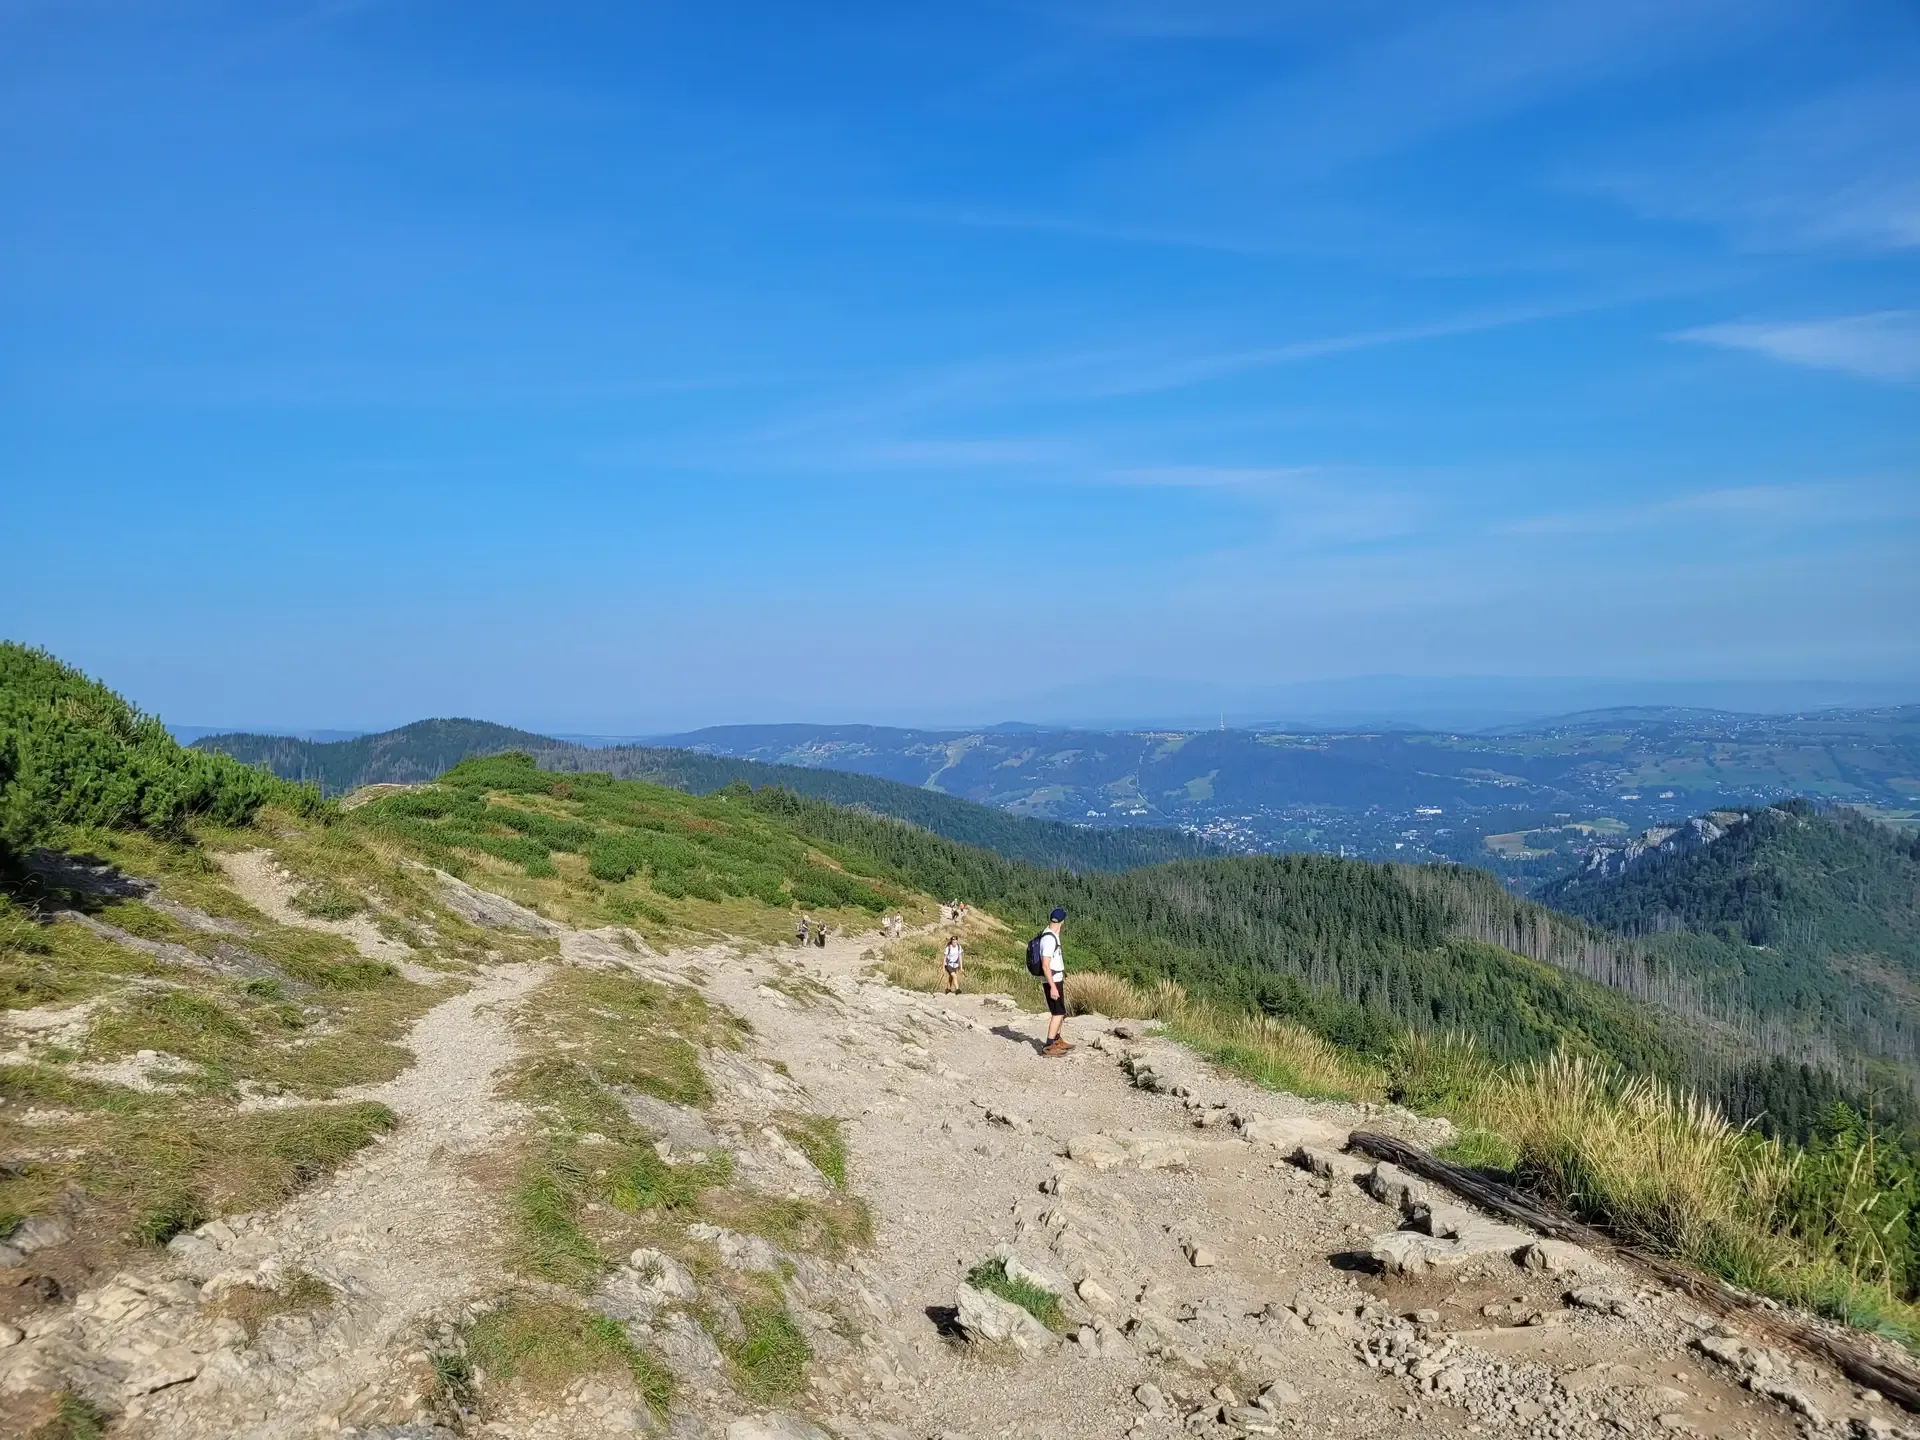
x: 1046, y: 960
x: 950, y: 957
x: 820, y: 936
x: 800, y: 931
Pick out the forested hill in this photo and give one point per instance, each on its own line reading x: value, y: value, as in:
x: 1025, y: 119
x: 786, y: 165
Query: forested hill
x: 1811, y: 919
x: 427, y: 749
x: 423, y: 750
x: 1786, y: 875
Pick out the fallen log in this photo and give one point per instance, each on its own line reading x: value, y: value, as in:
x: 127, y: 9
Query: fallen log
x: 1893, y: 1378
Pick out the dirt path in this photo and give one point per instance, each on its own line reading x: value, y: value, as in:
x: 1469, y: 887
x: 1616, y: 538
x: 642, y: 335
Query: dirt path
x: 1207, y: 1258
x: 1201, y: 1268
x: 402, y: 1235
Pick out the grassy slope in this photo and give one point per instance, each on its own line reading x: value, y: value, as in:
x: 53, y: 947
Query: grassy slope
x: 428, y: 748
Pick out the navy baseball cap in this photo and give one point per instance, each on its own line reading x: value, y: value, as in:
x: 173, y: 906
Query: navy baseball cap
x: 1059, y: 913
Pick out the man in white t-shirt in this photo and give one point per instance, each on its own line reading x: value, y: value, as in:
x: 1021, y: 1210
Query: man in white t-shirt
x: 1053, y: 978
x: 950, y: 960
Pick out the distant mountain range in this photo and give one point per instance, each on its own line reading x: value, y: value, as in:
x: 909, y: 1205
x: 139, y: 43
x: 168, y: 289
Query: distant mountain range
x: 1529, y: 803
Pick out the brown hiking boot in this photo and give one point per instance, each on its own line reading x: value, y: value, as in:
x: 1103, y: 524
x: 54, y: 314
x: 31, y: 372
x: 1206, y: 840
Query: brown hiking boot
x: 1056, y: 1046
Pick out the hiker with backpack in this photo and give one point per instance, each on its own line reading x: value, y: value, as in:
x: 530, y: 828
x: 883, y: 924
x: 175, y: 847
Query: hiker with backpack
x: 950, y: 959
x: 1046, y: 962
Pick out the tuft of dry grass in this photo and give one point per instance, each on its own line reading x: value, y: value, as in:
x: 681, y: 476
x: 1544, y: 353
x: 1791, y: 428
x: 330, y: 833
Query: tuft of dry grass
x: 298, y: 1292
x: 1659, y: 1166
x: 1095, y: 993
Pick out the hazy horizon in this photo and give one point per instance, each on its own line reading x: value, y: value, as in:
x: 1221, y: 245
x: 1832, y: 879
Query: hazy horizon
x: 1440, y: 702
x: 615, y: 366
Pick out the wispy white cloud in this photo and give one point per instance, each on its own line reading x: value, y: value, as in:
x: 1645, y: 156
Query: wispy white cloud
x: 1386, y: 87
x: 1883, y: 345
x: 1839, y: 169
x: 1212, y: 477
x: 969, y: 454
x: 1747, y: 506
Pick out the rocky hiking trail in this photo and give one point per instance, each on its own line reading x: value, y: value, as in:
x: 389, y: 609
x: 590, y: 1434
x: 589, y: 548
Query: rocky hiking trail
x: 1222, y: 1267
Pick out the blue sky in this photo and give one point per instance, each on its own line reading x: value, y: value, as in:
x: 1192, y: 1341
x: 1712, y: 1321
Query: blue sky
x: 636, y: 366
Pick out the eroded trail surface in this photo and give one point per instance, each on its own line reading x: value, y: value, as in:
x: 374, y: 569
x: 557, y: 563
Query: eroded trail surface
x: 1221, y: 1267
x: 401, y: 1235
x: 1213, y: 1284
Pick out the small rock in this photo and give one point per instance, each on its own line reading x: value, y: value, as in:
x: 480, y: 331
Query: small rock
x: 1091, y: 1293
x: 1200, y: 1257
x: 40, y: 1233
x: 1330, y: 1164
x: 986, y: 1318
x: 1156, y: 1154
x: 1224, y: 1394
x: 1602, y: 1299
x: 1556, y: 1257
x: 1150, y: 1396
x: 1290, y: 1132
x: 10, y: 1335
x: 1100, y: 1152
x: 1278, y: 1396
x: 1675, y: 1422
x: 1391, y: 1185
x: 11, y: 1258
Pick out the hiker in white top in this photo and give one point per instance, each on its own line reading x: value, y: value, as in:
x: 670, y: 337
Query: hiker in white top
x: 1053, y: 976
x: 951, y: 958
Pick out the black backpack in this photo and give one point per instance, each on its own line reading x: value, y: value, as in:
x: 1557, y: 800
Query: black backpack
x: 1036, y: 962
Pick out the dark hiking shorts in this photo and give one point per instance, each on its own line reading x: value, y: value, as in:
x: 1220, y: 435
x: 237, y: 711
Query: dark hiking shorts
x: 1056, y: 998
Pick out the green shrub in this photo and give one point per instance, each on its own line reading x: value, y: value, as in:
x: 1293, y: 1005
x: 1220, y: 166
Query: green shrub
x: 74, y: 753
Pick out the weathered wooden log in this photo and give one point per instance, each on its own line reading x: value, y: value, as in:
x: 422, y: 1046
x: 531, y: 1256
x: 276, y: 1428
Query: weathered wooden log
x: 1893, y: 1378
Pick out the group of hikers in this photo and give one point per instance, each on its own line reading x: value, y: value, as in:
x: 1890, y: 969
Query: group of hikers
x: 1046, y: 961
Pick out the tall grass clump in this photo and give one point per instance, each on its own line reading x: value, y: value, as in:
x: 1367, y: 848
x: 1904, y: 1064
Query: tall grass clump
x: 1830, y: 1226
x: 1096, y: 993
x: 1657, y: 1166
x: 1265, y: 1049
